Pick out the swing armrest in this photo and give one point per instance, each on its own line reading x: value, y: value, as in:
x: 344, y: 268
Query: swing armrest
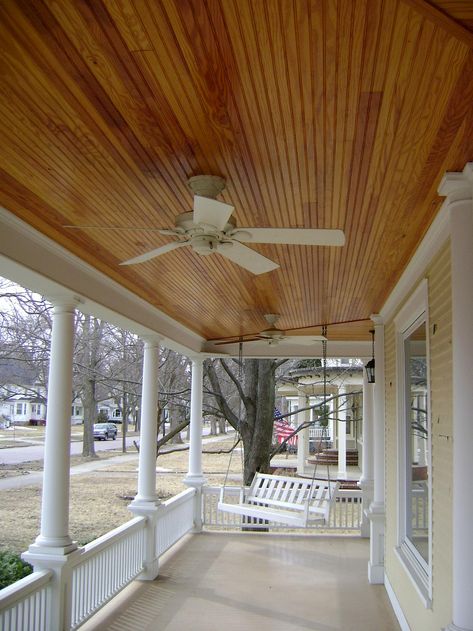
x: 243, y: 491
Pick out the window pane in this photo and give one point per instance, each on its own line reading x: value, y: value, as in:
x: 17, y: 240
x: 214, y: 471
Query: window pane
x: 417, y: 434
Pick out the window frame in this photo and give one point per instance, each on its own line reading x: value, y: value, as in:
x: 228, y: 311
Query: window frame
x: 414, y: 313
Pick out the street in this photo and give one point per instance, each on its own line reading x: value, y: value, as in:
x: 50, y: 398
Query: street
x: 17, y: 455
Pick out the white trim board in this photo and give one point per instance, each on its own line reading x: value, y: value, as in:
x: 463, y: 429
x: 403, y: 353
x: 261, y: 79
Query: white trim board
x: 401, y: 618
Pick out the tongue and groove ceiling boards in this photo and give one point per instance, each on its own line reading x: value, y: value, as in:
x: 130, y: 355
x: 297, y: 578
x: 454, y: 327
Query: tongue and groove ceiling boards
x: 318, y: 114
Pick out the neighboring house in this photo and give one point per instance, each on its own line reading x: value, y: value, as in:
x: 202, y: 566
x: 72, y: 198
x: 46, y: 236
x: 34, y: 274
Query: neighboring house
x: 25, y: 407
x: 28, y: 407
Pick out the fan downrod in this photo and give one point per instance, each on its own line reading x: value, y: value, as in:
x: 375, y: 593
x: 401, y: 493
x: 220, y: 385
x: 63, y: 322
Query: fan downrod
x: 206, y: 185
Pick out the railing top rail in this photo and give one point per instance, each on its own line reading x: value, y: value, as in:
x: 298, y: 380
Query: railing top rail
x: 176, y: 500
x: 22, y: 588
x: 109, y: 539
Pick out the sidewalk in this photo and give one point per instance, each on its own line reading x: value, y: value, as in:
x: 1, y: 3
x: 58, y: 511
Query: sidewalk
x: 36, y: 478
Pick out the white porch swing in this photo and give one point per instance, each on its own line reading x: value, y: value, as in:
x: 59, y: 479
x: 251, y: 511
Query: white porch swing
x: 285, y: 500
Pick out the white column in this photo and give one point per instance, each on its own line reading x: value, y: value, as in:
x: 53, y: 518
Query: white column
x: 366, y: 480
x: 303, y: 435
x: 54, y: 534
x: 148, y: 426
x: 342, y: 433
x: 459, y: 190
x: 146, y: 503
x: 195, y: 476
x: 377, y: 511
x: 54, y: 548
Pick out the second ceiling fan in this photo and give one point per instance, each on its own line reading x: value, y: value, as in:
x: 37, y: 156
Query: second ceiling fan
x: 273, y: 336
x: 210, y: 229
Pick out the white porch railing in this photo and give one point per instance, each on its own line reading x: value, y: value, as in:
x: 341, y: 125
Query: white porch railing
x: 346, y: 514
x: 24, y: 605
x: 108, y: 564
x: 175, y: 519
x: 316, y: 433
x: 105, y: 567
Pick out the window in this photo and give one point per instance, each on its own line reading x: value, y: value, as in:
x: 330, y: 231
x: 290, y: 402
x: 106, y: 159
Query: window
x: 21, y: 408
x: 414, y: 473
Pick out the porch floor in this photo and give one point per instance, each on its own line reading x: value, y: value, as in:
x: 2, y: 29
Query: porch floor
x: 235, y: 582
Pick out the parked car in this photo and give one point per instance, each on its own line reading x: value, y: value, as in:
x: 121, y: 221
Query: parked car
x: 104, y: 431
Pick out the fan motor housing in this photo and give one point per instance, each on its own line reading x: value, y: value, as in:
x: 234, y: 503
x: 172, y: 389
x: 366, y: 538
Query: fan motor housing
x: 204, y: 244
x: 185, y: 222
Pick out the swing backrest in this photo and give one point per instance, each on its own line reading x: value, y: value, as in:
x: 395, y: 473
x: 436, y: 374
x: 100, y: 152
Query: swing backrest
x: 291, y: 493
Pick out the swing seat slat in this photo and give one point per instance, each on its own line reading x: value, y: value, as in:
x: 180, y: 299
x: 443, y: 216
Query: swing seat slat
x: 285, y: 500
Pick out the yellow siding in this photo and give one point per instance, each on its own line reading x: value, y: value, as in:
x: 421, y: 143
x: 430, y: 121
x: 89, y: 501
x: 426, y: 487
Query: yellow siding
x: 440, y: 321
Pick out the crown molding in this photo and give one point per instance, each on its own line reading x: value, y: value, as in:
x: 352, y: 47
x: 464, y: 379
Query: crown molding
x: 33, y: 260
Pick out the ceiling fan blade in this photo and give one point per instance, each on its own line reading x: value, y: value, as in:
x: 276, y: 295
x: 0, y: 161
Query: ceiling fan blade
x: 156, y: 252
x: 291, y: 236
x: 211, y: 211
x: 118, y: 228
x: 249, y: 259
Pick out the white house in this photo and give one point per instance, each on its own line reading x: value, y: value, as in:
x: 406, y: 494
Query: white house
x: 26, y: 406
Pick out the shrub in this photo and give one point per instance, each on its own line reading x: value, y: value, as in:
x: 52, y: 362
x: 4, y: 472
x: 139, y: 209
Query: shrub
x: 12, y: 568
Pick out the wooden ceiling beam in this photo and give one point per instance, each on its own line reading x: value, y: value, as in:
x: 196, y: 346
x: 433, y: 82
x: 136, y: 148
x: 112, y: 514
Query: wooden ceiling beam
x: 442, y: 20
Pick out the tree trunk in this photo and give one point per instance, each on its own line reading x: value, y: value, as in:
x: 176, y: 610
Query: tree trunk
x: 257, y: 427
x: 175, y: 419
x: 213, y: 426
x: 90, y: 414
x: 124, y: 421
x: 222, y: 426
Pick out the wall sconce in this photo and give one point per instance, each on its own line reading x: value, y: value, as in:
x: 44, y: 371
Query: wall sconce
x: 370, y: 365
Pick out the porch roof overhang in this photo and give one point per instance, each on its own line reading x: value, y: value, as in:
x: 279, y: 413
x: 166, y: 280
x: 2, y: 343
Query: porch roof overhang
x: 316, y: 114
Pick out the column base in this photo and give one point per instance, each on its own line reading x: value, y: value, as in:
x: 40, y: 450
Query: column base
x: 41, y: 558
x: 376, y: 515
x: 195, y: 480
x: 454, y: 627
x: 341, y: 475
x: 44, y: 547
x: 375, y: 574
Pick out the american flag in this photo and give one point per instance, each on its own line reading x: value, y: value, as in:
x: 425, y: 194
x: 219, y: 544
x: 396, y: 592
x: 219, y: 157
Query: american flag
x: 283, y: 429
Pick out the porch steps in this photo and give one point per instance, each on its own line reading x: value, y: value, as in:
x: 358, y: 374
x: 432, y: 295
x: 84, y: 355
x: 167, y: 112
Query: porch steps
x: 330, y: 456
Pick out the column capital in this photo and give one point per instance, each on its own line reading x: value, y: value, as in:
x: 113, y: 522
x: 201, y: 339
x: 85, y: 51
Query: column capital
x: 458, y: 186
x: 198, y: 359
x: 377, y: 319
x: 152, y: 340
x: 64, y: 303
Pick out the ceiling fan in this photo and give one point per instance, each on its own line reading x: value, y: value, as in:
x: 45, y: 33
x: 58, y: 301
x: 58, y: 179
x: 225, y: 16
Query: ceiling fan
x: 273, y: 336
x: 210, y: 229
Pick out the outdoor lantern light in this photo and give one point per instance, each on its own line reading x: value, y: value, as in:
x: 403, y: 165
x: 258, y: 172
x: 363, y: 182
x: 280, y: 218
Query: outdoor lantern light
x: 370, y: 365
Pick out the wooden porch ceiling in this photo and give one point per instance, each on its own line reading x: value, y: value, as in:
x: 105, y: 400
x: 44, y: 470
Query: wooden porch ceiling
x: 319, y: 114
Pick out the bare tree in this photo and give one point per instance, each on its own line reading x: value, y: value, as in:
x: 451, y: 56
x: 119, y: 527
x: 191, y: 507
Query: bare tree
x: 252, y: 411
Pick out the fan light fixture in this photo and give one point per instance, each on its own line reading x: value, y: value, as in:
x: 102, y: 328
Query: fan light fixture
x: 370, y: 372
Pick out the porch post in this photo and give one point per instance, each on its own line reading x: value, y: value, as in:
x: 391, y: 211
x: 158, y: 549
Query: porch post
x: 458, y: 187
x: 54, y: 548
x: 342, y: 433
x: 366, y: 480
x: 303, y: 435
x: 146, y: 501
x: 194, y: 475
x: 377, y: 510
